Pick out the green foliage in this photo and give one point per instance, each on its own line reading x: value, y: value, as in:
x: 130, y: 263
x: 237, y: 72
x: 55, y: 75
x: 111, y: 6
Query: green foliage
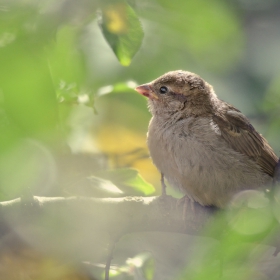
x: 205, y: 28
x: 122, y: 30
x: 127, y: 179
x: 55, y: 67
x: 66, y: 63
x: 105, y: 185
x: 248, y: 224
x: 141, y: 264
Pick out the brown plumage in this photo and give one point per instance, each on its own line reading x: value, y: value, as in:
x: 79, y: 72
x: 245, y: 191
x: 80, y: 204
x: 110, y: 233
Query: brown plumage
x: 202, y: 145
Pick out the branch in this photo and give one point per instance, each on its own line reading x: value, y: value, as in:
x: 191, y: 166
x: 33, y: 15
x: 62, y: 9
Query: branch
x: 82, y: 227
x: 117, y: 215
x: 79, y: 221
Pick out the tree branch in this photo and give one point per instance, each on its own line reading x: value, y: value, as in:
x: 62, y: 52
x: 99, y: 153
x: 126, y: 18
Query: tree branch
x: 83, y: 228
x: 113, y: 215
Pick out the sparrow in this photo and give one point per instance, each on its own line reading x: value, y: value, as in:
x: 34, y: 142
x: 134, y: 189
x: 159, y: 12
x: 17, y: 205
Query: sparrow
x: 202, y: 145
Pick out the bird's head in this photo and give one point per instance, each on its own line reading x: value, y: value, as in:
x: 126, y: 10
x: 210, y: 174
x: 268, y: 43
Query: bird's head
x: 176, y: 91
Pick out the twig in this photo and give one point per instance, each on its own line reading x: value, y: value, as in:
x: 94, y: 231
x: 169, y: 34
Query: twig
x: 109, y: 259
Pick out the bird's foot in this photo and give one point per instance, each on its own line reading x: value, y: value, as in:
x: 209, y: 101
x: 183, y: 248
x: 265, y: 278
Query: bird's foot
x: 188, y: 207
x: 163, y: 186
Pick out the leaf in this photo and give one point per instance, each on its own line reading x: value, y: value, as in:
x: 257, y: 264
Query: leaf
x: 117, y: 88
x: 26, y: 85
x: 66, y: 63
x: 141, y: 264
x: 105, y: 185
x: 122, y: 30
x: 149, y: 268
x: 128, y: 178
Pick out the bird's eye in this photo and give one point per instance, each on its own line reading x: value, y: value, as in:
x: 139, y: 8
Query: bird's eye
x: 163, y: 89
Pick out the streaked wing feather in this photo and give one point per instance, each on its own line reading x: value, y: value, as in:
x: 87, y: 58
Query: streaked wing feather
x: 242, y: 137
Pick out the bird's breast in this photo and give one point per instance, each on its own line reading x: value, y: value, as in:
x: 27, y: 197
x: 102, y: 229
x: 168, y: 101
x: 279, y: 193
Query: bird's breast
x: 194, y: 158
x: 183, y: 145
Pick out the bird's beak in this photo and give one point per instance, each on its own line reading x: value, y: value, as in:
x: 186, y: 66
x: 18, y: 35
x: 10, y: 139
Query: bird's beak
x: 147, y: 91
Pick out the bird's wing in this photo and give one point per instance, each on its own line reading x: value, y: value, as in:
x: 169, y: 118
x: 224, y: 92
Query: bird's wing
x: 242, y: 137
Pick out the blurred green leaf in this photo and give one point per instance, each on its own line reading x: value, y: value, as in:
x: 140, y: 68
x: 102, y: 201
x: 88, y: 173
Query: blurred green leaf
x: 33, y: 165
x: 66, y: 63
x: 104, y: 185
x: 122, y: 30
x: 25, y: 81
x: 117, y: 88
x: 113, y: 273
x: 127, y: 179
x: 149, y: 268
x: 142, y: 264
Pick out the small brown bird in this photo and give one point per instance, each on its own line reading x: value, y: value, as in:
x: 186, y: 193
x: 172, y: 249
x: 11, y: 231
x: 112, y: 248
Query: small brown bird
x: 201, y: 144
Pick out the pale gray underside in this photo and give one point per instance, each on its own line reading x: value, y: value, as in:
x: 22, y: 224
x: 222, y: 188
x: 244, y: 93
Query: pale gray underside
x: 200, y: 162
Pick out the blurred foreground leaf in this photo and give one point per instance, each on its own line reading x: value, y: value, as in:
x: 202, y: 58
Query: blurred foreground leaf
x: 122, y: 30
x: 33, y: 165
x: 142, y: 264
x: 117, y: 88
x: 26, y: 84
x: 149, y: 268
x: 66, y: 64
x: 127, y: 179
x: 104, y: 185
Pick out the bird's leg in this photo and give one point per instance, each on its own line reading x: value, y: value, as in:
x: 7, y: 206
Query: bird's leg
x: 163, y: 186
x: 188, y: 206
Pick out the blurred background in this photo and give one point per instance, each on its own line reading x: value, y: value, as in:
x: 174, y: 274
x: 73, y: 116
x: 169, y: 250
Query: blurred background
x: 69, y: 115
